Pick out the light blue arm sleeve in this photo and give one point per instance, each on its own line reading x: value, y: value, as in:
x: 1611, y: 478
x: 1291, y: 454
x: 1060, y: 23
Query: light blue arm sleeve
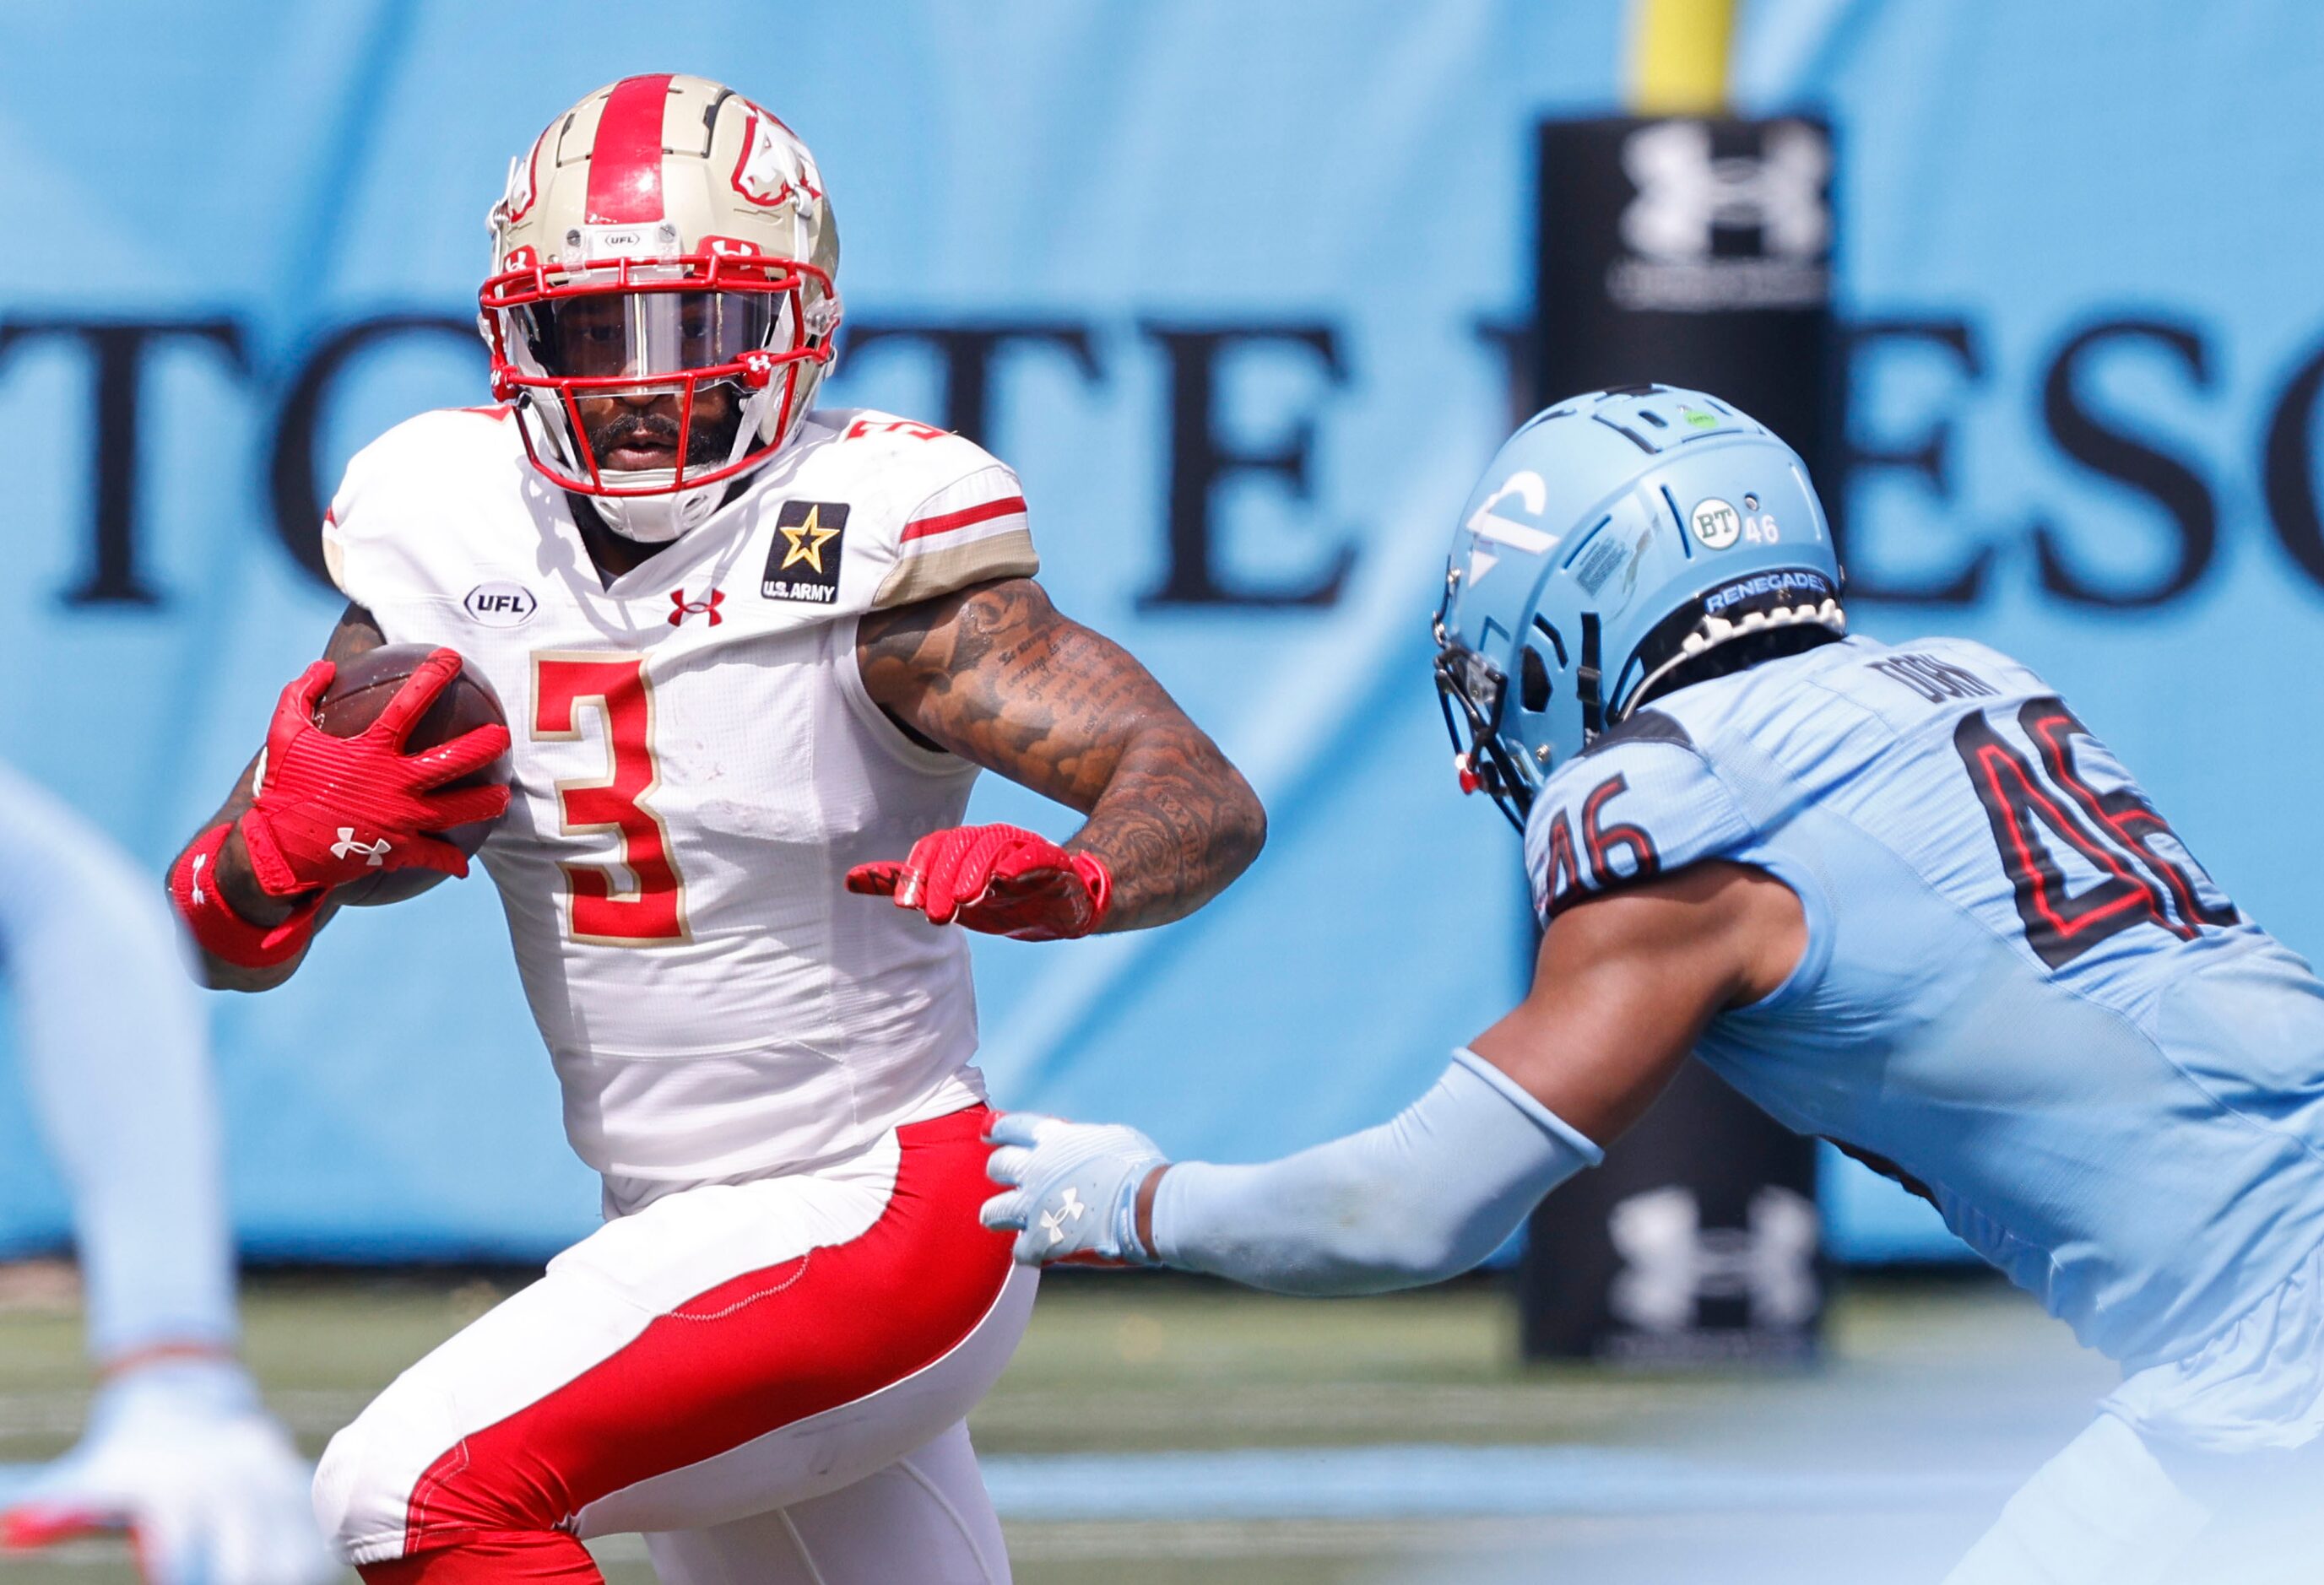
x: 1424, y: 1196
x: 110, y: 1035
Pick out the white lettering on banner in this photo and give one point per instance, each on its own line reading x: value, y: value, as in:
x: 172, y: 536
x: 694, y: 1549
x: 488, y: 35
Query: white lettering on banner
x: 1670, y: 1261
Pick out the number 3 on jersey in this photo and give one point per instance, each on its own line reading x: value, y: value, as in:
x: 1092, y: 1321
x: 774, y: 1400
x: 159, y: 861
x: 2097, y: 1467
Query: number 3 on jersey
x: 654, y: 911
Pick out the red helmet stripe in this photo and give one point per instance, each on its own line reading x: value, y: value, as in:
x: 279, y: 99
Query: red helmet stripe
x: 625, y: 159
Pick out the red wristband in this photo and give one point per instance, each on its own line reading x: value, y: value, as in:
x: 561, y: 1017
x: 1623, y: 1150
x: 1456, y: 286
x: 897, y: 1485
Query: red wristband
x: 216, y: 928
x: 1100, y: 882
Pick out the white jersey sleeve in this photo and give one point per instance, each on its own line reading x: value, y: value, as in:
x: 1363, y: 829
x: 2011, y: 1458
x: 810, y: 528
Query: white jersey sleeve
x: 462, y: 462
x: 959, y: 517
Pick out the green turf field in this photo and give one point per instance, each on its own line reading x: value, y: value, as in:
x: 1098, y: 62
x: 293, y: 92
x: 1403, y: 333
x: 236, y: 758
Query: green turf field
x: 1126, y: 1365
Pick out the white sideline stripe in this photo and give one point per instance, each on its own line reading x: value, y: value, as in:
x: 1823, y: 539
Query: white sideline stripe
x: 1424, y: 1482
x: 1407, y: 1484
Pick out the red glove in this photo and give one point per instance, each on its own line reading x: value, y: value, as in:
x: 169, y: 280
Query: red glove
x: 216, y: 928
x: 998, y: 879
x: 334, y: 809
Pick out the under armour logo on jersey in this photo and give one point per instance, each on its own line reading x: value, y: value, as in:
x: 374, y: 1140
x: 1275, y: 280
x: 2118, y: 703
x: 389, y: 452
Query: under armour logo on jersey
x: 681, y: 607
x: 1684, y: 193
x: 1671, y: 1261
x: 1069, y: 1209
x: 374, y: 853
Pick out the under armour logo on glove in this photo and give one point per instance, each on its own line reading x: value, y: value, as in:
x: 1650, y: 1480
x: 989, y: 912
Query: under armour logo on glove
x: 1069, y: 1189
x: 1069, y: 1209
x: 374, y: 853
x: 1001, y: 879
x: 318, y: 789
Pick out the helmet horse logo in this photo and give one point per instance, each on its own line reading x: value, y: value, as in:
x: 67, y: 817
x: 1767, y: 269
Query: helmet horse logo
x: 774, y: 168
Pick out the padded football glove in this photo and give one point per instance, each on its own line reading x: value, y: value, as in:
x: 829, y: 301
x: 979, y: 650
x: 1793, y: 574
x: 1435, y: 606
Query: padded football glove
x: 332, y: 810
x: 1071, y: 1189
x: 1001, y: 879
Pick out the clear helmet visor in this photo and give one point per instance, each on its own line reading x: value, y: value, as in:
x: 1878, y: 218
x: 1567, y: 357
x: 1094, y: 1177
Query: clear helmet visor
x: 640, y: 335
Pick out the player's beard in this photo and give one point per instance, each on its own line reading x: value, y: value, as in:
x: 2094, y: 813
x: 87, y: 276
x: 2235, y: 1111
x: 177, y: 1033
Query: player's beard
x: 711, y: 437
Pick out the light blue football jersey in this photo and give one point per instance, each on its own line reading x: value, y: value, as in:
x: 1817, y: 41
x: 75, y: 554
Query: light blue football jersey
x: 2019, y: 989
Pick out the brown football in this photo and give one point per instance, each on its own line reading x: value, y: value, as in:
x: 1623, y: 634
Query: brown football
x: 358, y: 694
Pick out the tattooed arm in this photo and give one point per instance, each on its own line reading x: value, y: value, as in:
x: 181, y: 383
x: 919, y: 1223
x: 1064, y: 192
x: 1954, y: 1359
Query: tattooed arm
x: 355, y: 633
x: 995, y: 675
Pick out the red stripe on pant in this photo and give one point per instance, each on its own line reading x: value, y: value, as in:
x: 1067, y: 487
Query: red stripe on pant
x: 490, y: 1559
x: 750, y: 1356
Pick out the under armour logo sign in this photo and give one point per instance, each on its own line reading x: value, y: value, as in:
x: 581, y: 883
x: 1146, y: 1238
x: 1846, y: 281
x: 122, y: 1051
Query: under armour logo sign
x: 1069, y: 1209
x: 1685, y: 194
x: 374, y: 853
x: 681, y: 607
x: 1671, y: 1261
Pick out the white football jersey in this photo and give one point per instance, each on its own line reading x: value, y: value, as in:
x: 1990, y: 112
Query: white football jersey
x: 697, y: 766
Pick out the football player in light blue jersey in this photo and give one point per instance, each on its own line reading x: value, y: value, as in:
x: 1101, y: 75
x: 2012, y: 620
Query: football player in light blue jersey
x: 1900, y: 898
x: 177, y: 1452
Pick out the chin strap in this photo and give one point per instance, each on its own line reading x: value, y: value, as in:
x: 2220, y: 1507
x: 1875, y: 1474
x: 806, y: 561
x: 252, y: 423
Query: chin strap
x: 1586, y: 680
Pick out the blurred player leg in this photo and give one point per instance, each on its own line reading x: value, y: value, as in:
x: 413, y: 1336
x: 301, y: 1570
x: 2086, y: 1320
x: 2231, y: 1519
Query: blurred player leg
x: 179, y: 1449
x: 728, y: 1351
x: 926, y: 1518
x: 2105, y: 1509
x: 2206, y: 1468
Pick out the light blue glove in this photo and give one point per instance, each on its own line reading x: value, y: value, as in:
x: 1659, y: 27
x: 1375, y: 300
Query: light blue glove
x: 1072, y: 1188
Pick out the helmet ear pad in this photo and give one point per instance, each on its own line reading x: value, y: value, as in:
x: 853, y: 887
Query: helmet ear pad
x: 1534, y: 689
x: 1541, y: 663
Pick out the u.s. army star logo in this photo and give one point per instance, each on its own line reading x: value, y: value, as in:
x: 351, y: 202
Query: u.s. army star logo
x: 804, y: 560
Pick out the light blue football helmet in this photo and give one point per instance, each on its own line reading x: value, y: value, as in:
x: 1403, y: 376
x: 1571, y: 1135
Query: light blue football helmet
x: 1615, y: 537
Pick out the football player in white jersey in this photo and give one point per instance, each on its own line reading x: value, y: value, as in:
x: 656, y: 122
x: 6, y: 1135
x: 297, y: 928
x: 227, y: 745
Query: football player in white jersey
x: 752, y: 655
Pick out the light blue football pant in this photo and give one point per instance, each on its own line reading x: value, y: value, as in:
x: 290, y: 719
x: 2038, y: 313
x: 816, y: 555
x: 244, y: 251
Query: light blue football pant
x: 2111, y: 1508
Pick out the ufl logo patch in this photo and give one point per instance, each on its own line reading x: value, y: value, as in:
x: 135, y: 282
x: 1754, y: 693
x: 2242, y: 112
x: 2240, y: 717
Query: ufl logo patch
x: 803, y: 562
x: 499, y: 605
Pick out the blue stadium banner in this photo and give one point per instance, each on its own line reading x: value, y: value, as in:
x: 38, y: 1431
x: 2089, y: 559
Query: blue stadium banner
x: 1242, y: 292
